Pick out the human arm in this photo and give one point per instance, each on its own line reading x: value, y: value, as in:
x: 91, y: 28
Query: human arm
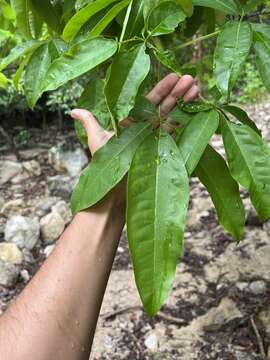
x: 55, y: 316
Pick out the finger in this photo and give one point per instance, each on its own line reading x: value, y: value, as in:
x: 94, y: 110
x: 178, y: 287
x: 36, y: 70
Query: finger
x: 97, y: 137
x: 192, y: 94
x: 182, y: 86
x: 163, y: 89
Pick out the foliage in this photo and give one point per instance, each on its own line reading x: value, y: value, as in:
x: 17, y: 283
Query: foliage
x: 131, y: 42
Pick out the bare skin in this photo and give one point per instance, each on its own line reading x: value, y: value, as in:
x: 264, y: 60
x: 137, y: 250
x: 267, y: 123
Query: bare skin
x: 55, y: 317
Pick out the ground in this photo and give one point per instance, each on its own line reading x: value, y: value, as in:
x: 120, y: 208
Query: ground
x: 219, y: 307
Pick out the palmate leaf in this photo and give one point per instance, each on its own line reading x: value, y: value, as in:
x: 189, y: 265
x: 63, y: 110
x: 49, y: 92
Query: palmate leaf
x: 79, y: 59
x: 164, y: 18
x: 108, y: 167
x: 124, y: 78
x: 22, y: 11
x: 249, y: 162
x: 82, y: 16
x: 195, y: 137
x: 227, y: 6
x: 156, y: 210
x: 262, y: 48
x: 233, y: 46
x: 213, y: 172
x: 35, y: 73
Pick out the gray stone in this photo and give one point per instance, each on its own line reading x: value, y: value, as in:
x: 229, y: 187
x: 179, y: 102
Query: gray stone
x: 32, y: 167
x: 72, y: 161
x: 25, y: 275
x: 2, y: 202
x: 8, y: 170
x: 12, y: 207
x: 22, y: 231
x: 63, y: 209
x: 52, y: 226
x: 44, y: 206
x: 258, y: 287
x: 61, y: 185
x: 8, y: 274
x: 48, y: 250
x: 18, y: 179
x: 240, y: 355
x: 151, y: 342
x: 9, y: 252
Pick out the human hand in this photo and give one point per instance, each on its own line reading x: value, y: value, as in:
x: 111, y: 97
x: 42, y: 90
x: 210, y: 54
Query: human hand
x: 164, y: 95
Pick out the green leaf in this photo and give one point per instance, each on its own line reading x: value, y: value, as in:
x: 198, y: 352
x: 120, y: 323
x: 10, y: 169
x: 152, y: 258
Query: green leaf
x: 48, y: 13
x: 249, y: 162
x: 143, y: 110
x: 164, y: 18
x: 93, y: 99
x: 3, y: 81
x: 227, y: 6
x: 213, y: 172
x: 187, y: 6
x: 22, y: 10
x: 108, y: 18
x: 136, y: 20
x: 167, y: 58
x: 18, y: 51
x: 157, y: 204
x: 126, y: 74
x: 194, y: 107
x: 81, y: 133
x: 108, y: 167
x: 262, y: 48
x: 4, y: 35
x: 195, y: 137
x: 233, y: 46
x: 79, y: 59
x: 35, y: 73
x: 81, y: 17
x: 242, y: 116
x: 264, y: 29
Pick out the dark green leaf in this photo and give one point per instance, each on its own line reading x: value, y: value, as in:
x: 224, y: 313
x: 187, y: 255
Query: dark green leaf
x: 108, y: 167
x: 81, y: 17
x: 213, y: 172
x: 233, y: 46
x: 22, y: 11
x: 35, y: 72
x: 227, y: 6
x: 249, y: 163
x: 136, y: 19
x: 167, y: 58
x: 242, y: 116
x: 143, y: 110
x: 164, y: 18
x: 156, y: 211
x: 126, y: 74
x: 48, y: 13
x: 262, y: 47
x: 186, y: 5
x: 195, y: 137
x: 79, y: 59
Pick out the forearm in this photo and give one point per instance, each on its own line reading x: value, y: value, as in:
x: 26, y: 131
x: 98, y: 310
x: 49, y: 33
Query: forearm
x: 62, y: 302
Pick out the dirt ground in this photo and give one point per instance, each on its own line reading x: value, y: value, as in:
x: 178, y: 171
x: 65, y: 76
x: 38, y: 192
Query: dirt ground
x: 219, y: 307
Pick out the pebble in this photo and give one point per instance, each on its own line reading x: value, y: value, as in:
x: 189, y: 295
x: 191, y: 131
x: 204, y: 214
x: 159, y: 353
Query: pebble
x: 52, y: 226
x: 61, y: 185
x: 25, y: 275
x: 12, y: 207
x: 151, y: 342
x: 32, y: 167
x: 8, y: 170
x: 258, y: 287
x: 63, y: 209
x: 9, y: 252
x: 48, y: 250
x: 22, y: 231
x: 8, y: 274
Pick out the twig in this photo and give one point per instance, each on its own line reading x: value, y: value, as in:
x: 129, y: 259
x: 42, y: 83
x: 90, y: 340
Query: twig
x: 259, y: 339
x: 160, y: 315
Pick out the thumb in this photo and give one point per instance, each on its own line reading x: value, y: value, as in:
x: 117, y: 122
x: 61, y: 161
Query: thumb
x: 97, y: 136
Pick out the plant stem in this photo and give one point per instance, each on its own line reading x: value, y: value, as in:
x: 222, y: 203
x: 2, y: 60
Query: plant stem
x: 195, y: 41
x: 125, y: 24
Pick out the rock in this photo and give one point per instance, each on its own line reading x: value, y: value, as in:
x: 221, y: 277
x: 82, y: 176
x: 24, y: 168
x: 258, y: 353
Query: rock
x: 240, y: 355
x: 241, y: 285
x: 61, y: 185
x: 226, y: 313
x: 44, y: 206
x: 23, y: 176
x: 8, y: 170
x: 258, y: 287
x: 2, y: 202
x: 48, y: 250
x: 25, y: 275
x: 9, y: 252
x: 52, y: 226
x: 22, y: 231
x: 63, y: 209
x: 13, y: 207
x: 8, y: 274
x: 72, y: 161
x: 32, y: 167
x: 151, y: 342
